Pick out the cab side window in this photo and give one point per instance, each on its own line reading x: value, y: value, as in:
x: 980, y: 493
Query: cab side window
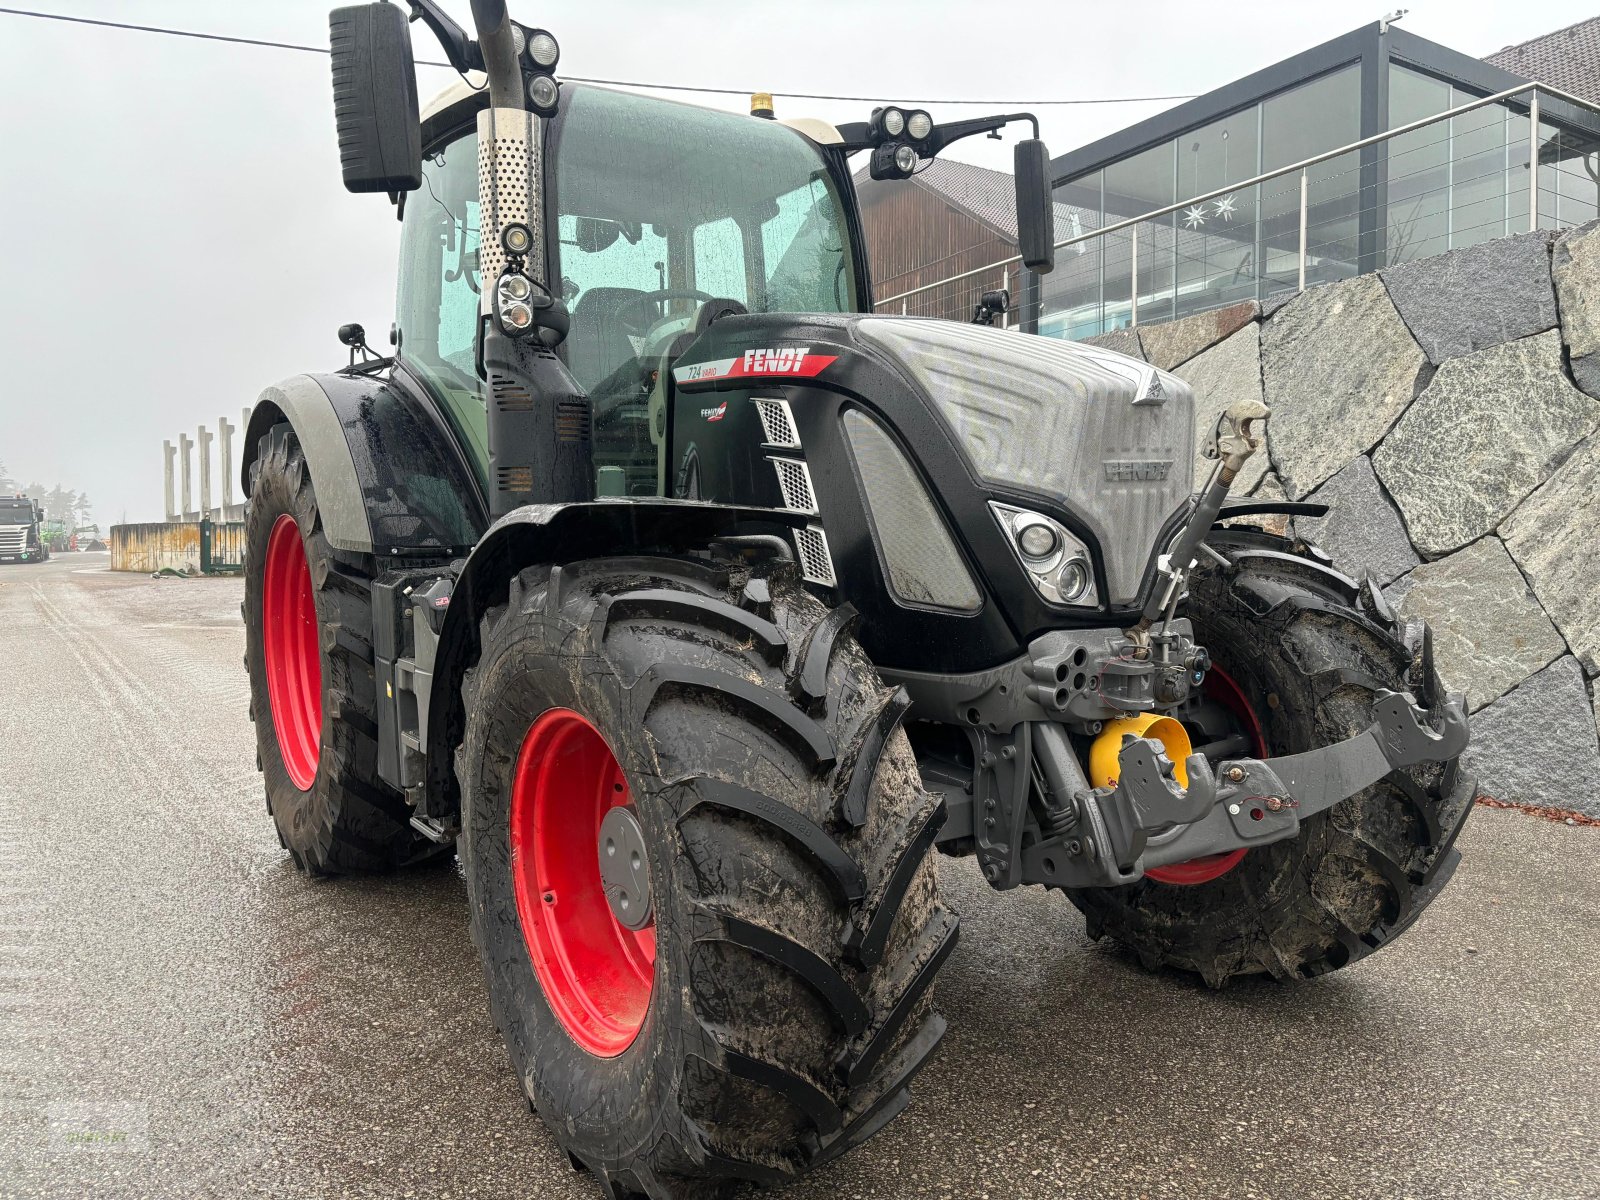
x: 436, y: 308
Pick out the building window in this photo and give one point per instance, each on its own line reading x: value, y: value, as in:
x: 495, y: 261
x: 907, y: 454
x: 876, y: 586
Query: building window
x: 1301, y: 123
x: 1241, y: 245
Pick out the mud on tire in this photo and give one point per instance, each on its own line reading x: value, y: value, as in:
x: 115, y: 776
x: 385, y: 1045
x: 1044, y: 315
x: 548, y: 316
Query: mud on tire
x: 1308, y: 648
x: 797, y: 925
x: 348, y: 819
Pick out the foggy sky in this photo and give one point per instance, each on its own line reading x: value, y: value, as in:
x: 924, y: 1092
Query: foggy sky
x: 174, y: 236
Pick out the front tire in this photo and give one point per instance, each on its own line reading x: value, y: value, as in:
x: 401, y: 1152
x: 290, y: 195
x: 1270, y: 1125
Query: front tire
x: 1304, y: 649
x: 313, y: 692
x: 774, y: 1010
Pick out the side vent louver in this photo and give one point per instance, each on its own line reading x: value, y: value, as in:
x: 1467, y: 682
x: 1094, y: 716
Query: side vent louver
x: 572, y: 421
x: 794, y: 481
x: 509, y: 396
x: 777, y: 423
x: 816, y: 564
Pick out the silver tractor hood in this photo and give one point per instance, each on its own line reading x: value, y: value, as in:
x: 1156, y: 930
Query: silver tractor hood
x: 1108, y: 435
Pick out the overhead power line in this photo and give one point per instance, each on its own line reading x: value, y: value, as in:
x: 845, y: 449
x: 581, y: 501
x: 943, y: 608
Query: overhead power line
x: 665, y: 87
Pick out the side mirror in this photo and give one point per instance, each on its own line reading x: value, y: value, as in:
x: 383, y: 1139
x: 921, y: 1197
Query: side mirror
x: 1036, y: 209
x: 594, y: 234
x: 375, y: 98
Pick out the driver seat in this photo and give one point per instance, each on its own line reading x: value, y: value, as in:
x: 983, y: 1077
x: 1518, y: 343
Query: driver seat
x: 598, y: 344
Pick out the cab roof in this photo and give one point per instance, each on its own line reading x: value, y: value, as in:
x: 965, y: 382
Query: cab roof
x: 470, y: 92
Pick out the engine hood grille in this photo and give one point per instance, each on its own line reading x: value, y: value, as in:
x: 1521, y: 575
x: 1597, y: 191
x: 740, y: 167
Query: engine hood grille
x: 1109, y: 436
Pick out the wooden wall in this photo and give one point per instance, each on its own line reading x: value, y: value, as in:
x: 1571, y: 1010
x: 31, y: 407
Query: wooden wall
x: 914, y: 238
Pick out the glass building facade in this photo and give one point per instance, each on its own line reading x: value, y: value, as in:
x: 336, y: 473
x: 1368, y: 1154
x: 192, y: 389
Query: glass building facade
x: 1449, y: 183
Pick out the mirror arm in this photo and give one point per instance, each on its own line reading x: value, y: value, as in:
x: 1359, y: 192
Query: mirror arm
x: 954, y: 131
x: 464, y: 53
x: 857, y: 135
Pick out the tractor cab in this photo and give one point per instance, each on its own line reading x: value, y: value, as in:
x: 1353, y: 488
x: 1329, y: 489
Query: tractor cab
x: 661, y: 214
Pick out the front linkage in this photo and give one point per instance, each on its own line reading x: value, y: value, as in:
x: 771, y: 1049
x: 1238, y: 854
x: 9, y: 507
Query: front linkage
x: 1154, y: 811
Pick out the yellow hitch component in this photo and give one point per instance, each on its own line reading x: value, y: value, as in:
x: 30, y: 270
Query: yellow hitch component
x: 1103, y: 751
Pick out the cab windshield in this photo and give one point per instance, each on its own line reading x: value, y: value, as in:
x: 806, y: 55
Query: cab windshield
x: 659, y: 209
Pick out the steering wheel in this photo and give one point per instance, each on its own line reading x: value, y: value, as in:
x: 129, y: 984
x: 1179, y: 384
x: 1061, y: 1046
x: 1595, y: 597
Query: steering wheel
x: 623, y: 313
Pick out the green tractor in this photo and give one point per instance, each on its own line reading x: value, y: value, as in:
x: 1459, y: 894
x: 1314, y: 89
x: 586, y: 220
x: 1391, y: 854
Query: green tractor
x: 693, y: 606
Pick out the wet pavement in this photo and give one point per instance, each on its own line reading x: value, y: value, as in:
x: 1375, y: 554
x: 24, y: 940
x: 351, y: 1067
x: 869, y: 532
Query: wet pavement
x: 184, y: 1015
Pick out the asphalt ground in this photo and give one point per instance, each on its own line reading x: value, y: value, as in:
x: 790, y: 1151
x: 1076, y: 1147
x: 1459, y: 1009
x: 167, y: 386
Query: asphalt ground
x: 182, y: 1014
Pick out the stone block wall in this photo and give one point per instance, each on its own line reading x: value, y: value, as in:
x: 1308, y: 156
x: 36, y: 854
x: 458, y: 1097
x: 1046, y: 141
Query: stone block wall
x: 1448, y: 412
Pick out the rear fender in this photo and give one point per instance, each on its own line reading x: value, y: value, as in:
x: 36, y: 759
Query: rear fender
x: 554, y: 533
x: 390, y: 479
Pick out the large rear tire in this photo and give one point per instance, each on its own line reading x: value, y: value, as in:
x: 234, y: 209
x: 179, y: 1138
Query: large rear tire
x: 308, y: 648
x: 1305, y: 649
x: 778, y: 1003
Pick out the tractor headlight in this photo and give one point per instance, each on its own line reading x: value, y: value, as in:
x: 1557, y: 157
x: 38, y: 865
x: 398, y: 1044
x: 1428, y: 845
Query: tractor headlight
x: 905, y: 159
x: 514, y: 302
x: 544, y: 92
x: 1073, y: 579
x: 893, y: 121
x: 517, y: 239
x: 1057, y: 563
x: 1037, y: 540
x: 919, y: 125
x: 516, y: 316
x: 542, y: 49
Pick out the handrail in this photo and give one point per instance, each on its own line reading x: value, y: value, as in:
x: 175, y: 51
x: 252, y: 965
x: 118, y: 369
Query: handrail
x: 1279, y: 172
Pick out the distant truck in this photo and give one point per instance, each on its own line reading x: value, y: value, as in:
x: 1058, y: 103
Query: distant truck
x: 21, y: 530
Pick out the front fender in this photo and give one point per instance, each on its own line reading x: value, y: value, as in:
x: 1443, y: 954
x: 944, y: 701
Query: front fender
x: 555, y: 533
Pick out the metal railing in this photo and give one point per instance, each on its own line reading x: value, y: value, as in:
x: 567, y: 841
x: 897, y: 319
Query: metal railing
x: 1163, y: 263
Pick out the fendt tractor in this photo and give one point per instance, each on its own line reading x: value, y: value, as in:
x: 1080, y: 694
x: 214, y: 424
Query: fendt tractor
x: 693, y: 606
x: 22, y: 536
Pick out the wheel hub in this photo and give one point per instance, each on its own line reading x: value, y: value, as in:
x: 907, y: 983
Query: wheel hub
x: 584, y: 906
x: 1221, y: 687
x: 625, y: 868
x: 290, y: 634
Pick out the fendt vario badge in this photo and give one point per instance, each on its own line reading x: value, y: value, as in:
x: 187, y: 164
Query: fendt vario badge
x: 788, y: 362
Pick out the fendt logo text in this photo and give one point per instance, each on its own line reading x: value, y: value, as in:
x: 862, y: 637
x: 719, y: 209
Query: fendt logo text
x: 787, y: 361
x: 1133, y: 470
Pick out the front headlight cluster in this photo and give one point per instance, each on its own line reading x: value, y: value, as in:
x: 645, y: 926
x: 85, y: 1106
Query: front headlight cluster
x: 1056, y: 561
x: 540, y: 52
x: 901, y: 141
x: 513, y: 293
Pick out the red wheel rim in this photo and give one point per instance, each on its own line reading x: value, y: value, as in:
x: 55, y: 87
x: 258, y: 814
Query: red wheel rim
x: 1220, y: 686
x: 289, y: 634
x: 596, y: 973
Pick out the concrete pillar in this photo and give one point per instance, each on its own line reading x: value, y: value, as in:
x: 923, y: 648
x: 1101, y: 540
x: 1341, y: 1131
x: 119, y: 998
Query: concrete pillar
x: 225, y: 460
x: 168, y: 452
x: 204, y: 442
x: 184, y: 462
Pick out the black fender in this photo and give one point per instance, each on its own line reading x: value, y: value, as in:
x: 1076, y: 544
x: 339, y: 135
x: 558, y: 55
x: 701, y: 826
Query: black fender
x: 556, y: 533
x: 1246, y: 506
x: 391, y: 480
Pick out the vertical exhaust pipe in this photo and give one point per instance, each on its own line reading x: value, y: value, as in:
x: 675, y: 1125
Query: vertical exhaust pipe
x: 538, y: 416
